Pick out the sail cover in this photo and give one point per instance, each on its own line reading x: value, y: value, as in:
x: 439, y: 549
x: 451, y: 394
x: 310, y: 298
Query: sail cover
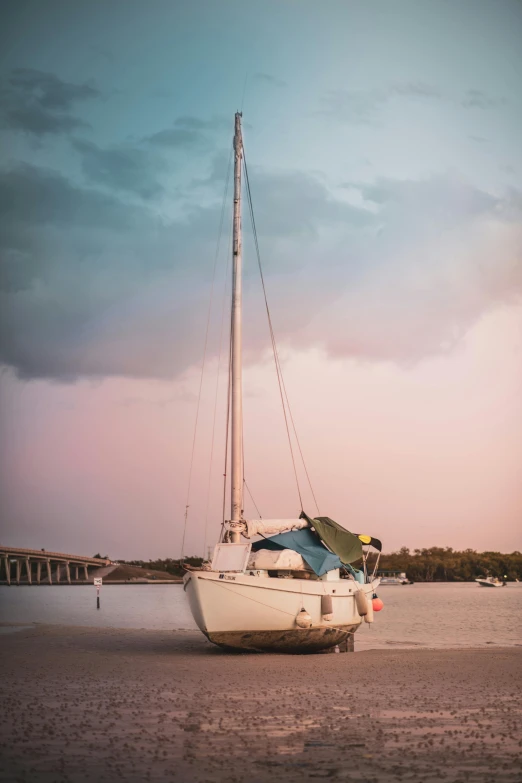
x: 346, y: 545
x: 268, y: 527
x: 309, y: 546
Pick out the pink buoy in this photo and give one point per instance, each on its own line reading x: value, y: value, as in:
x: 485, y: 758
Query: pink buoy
x: 377, y: 604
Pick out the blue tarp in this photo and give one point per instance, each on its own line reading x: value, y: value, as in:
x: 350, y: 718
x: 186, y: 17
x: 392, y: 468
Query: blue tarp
x: 309, y: 546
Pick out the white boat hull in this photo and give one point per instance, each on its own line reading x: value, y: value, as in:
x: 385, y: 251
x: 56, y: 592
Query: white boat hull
x: 259, y: 613
x: 488, y: 583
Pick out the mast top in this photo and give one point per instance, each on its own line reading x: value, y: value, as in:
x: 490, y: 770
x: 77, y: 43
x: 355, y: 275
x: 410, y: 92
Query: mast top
x: 238, y: 138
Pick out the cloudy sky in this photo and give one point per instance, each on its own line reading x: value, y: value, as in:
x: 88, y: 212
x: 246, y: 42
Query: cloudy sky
x: 383, y: 143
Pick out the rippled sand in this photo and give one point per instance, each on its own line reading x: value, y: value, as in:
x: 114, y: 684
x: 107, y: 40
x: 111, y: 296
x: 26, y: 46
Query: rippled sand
x: 81, y: 704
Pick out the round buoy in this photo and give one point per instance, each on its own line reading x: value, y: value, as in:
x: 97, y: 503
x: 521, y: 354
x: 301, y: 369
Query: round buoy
x: 303, y: 619
x: 377, y: 604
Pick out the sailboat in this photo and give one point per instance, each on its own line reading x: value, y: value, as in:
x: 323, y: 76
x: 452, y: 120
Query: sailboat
x: 282, y: 585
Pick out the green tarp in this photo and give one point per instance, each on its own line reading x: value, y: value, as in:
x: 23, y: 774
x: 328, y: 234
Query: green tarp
x: 338, y: 540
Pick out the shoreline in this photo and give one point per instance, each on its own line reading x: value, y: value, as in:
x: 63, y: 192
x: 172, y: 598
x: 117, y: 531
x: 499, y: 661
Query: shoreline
x: 84, y: 704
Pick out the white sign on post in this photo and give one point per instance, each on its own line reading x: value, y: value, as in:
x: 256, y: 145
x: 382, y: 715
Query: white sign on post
x: 98, y: 582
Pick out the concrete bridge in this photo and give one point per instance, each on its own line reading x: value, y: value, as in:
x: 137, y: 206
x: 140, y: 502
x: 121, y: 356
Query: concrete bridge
x: 27, y: 566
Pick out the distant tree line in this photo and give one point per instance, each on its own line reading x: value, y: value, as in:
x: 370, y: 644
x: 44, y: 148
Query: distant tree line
x: 436, y: 564
x: 169, y: 565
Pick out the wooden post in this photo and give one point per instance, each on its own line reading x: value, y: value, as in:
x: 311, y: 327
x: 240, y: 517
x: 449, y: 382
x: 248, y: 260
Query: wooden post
x: 49, y: 572
x: 18, y: 570
x: 68, y: 572
x: 38, y: 571
x: 85, y: 572
x: 349, y: 644
x: 28, y: 570
x: 7, y: 569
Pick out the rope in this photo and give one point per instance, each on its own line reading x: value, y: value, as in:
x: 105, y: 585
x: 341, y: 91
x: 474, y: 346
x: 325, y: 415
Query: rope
x: 299, y: 445
x: 227, y: 430
x: 204, y: 359
x: 252, y: 498
x: 216, y: 392
x: 282, y: 388
x: 272, y: 336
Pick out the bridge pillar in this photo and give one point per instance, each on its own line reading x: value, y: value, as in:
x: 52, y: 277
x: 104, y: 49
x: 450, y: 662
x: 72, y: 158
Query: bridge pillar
x: 7, y: 565
x: 38, y: 571
x: 49, y: 573
x: 77, y: 571
x: 68, y: 572
x: 18, y: 570
x: 28, y: 571
x: 58, y: 573
x: 85, y: 572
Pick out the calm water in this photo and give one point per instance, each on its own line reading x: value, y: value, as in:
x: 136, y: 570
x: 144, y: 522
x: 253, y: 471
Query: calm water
x: 428, y: 615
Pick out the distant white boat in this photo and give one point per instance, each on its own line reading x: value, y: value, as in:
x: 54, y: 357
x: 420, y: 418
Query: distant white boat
x: 394, y: 578
x: 490, y: 581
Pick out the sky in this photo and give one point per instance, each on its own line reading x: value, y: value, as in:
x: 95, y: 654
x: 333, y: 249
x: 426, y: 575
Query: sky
x: 385, y: 165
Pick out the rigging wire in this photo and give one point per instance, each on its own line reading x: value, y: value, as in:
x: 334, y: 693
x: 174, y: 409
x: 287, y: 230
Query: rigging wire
x: 245, y: 485
x: 282, y: 388
x: 272, y: 337
x: 299, y: 444
x: 227, y: 429
x: 221, y: 332
x: 204, y: 358
x: 252, y: 498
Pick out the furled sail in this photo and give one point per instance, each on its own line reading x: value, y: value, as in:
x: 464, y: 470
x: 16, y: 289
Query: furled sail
x: 277, y: 560
x: 267, y: 527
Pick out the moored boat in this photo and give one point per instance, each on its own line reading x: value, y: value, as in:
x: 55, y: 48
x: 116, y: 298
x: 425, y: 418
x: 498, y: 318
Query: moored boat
x: 490, y: 581
x: 291, y: 587
x: 394, y: 578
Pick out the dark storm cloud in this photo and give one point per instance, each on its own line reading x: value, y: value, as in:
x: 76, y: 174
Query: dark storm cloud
x: 123, y: 167
x: 93, y: 286
x: 182, y: 138
x: 297, y: 204
x: 40, y: 103
x: 189, y: 132
x: 31, y: 196
x: 196, y: 123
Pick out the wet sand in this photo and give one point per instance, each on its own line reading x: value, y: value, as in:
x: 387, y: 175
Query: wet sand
x: 81, y: 704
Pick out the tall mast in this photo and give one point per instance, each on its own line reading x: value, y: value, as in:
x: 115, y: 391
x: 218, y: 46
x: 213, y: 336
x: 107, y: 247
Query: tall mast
x: 236, y: 500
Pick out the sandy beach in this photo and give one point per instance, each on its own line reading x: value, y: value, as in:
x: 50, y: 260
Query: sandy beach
x: 81, y: 704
